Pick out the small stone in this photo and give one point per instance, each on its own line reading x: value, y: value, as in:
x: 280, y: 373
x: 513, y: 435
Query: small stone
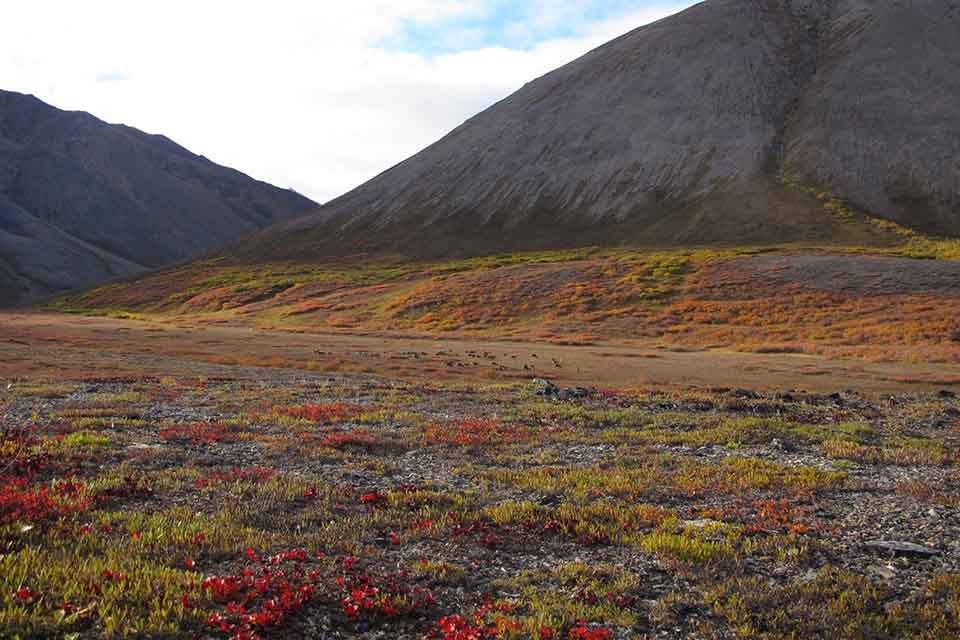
x: 901, y: 549
x: 550, y: 501
x: 545, y: 387
x: 779, y: 445
x: 883, y: 571
x: 700, y: 523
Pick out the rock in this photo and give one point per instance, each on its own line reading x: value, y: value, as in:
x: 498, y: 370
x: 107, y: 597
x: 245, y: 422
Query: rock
x: 779, y: 445
x: 577, y: 393
x: 901, y: 549
x: 946, y: 393
x: 552, y: 500
x: 882, y: 571
x: 545, y: 387
x: 700, y: 523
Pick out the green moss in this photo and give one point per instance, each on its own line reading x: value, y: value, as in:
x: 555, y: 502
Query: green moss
x: 145, y: 601
x: 46, y: 391
x: 84, y: 439
x: 686, y: 548
x: 836, y: 604
x: 568, y: 593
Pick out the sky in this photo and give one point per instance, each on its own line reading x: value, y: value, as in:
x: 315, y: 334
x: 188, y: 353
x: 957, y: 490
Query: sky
x: 314, y: 95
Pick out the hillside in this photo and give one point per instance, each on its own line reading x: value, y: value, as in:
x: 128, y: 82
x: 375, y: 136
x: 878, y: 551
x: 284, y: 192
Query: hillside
x: 731, y: 177
x: 714, y: 125
x: 83, y: 201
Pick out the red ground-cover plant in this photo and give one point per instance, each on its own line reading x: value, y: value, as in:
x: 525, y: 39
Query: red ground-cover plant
x: 782, y: 515
x: 458, y: 628
x: 17, y: 458
x: 485, y: 532
x: 389, y: 596
x: 324, y: 413
x: 620, y: 600
x: 476, y: 431
x: 199, y: 433
x: 768, y: 516
x: 489, y: 620
x: 26, y: 595
x: 373, y: 498
x: 348, y: 439
x: 264, y: 596
x: 20, y: 501
x: 252, y: 475
x: 582, y: 631
x: 928, y: 492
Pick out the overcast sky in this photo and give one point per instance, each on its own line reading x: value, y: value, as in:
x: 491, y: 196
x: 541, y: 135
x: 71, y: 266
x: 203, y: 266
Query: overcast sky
x: 315, y: 95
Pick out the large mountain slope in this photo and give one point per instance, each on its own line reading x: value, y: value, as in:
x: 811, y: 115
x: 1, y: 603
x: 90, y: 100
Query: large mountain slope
x: 687, y: 130
x: 82, y: 201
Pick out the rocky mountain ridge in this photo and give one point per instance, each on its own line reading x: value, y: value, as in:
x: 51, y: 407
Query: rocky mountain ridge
x: 83, y: 201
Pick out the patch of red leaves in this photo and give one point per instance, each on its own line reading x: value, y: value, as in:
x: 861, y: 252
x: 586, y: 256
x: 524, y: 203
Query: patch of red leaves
x: 488, y: 621
x: 22, y: 502
x: 469, y: 432
x: 324, y: 413
x: 458, y: 628
x: 199, y: 433
x: 768, y: 516
x: 25, y: 595
x: 373, y: 498
x: 388, y: 596
x: 261, y: 598
x: 582, y: 631
x: 485, y: 531
x: 348, y: 439
x: 17, y: 458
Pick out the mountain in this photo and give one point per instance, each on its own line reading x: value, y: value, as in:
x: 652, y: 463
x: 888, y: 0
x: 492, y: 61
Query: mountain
x: 83, y: 201
x: 711, y: 126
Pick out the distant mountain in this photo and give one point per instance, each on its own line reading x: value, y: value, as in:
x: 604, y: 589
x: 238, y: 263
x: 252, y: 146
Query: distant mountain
x: 695, y: 129
x: 83, y: 201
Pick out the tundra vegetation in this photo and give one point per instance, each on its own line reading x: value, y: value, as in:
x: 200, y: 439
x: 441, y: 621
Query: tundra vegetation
x: 293, y: 504
x: 281, y: 498
x: 899, y: 301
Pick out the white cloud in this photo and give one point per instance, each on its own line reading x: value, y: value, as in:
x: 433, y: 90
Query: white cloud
x: 301, y: 93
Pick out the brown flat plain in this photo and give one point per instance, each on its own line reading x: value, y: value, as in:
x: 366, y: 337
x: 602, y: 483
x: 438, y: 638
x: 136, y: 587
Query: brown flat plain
x: 42, y: 345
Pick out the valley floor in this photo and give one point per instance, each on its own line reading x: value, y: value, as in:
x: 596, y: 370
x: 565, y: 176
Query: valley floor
x: 52, y: 345
x: 223, y: 482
